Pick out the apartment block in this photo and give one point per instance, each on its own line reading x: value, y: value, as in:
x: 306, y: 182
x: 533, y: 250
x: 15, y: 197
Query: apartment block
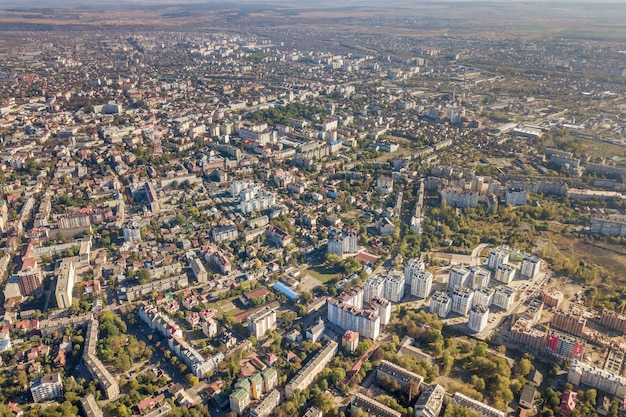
x: 413, y: 266
x: 96, y: 368
x: 308, y: 372
x: 565, y: 346
x: 505, y: 273
x: 342, y: 243
x: 483, y: 296
x: 265, y: 407
x: 458, y: 277
x: 440, y: 304
x: 479, y: 277
x: 65, y: 284
x: 199, y: 271
x: 421, y: 284
x: 497, y: 257
x: 613, y: 320
x: 397, y: 374
x: 478, y: 318
x: 572, y: 322
x: 503, y: 297
x: 47, y: 387
x: 592, y: 376
x: 262, y: 321
x: 524, y: 334
x: 552, y: 297
x: 372, y: 407
x: 531, y: 266
x: 470, y: 403
x: 462, y: 300
x: 430, y: 401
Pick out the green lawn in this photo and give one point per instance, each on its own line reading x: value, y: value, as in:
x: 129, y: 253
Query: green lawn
x: 322, y: 273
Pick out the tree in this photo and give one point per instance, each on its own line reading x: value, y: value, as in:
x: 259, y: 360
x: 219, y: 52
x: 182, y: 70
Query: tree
x: 143, y: 276
x: 192, y: 380
x: 324, y: 402
x: 524, y: 366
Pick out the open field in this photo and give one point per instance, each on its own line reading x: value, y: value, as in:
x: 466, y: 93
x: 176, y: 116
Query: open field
x: 610, y: 257
x: 322, y: 273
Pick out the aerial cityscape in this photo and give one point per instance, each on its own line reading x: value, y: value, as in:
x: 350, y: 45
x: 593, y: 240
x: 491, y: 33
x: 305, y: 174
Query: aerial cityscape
x: 295, y: 208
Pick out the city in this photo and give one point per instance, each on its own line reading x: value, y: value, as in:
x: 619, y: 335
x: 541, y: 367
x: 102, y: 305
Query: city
x: 280, y: 209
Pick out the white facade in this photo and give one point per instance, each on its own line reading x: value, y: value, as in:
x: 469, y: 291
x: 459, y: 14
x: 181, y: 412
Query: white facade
x: 421, y: 284
x: 530, y: 266
x: 479, y: 277
x: 458, y: 277
x: 503, y: 297
x: 505, y: 273
x: 603, y: 380
x: 47, y: 387
x: 483, y: 296
x: 440, y: 304
x: 496, y: 258
x: 374, y: 287
x: 462, y: 300
x: 413, y: 266
x: 65, y: 285
x: 478, y: 318
x: 394, y: 286
x: 262, y: 321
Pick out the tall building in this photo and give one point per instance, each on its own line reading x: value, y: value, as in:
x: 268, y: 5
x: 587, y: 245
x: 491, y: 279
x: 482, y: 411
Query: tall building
x: 497, y: 257
x: 522, y: 333
x: 478, y: 318
x: 483, y: 296
x: 374, y: 287
x: 440, y: 304
x: 342, y: 243
x: 394, y: 286
x: 503, y: 297
x: 349, y: 312
x: 65, y: 285
x: 47, y: 387
x: 421, y: 284
x: 505, y: 273
x: 462, y: 300
x: 530, y: 267
x: 565, y: 346
x: 262, y: 321
x: 515, y: 197
x: 572, y: 322
x: 479, y: 277
x: 458, y: 277
x: 199, y: 271
x: 413, y: 266
x: 30, y: 278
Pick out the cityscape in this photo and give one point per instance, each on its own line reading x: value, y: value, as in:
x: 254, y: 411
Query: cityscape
x: 286, y: 208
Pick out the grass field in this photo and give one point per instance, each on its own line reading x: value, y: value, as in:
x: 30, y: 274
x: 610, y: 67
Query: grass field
x: 610, y: 257
x: 322, y: 273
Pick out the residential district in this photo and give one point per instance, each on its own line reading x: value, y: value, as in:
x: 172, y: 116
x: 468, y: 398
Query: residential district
x: 202, y: 224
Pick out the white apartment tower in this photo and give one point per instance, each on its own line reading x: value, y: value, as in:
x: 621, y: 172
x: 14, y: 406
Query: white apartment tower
x: 462, y: 300
x: 478, y: 318
x: 421, y: 284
